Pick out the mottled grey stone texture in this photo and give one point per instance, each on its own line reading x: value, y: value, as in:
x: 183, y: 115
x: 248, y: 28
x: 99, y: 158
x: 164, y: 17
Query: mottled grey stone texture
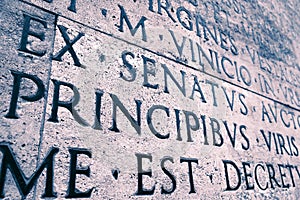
x: 23, y: 134
x: 221, y: 94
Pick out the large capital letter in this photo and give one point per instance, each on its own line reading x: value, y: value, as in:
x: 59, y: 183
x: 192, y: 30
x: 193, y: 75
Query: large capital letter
x: 12, y: 114
x: 23, y: 183
x: 68, y: 47
x: 28, y: 32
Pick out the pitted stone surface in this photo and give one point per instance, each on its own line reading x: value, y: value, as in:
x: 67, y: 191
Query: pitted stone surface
x: 150, y: 99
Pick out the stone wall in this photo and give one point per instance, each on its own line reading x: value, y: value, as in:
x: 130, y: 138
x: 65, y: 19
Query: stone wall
x: 149, y: 99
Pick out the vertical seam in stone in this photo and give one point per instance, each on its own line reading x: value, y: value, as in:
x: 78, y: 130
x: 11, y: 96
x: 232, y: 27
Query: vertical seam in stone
x: 46, y: 102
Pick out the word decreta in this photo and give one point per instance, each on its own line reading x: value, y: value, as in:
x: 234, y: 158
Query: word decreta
x: 249, y: 174
x: 25, y: 184
x: 261, y: 175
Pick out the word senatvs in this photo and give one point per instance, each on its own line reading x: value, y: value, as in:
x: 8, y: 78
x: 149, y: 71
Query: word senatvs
x: 183, y: 119
x: 192, y: 124
x: 210, y: 126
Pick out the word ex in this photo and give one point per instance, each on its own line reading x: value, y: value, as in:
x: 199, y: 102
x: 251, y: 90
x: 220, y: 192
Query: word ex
x: 34, y: 31
x: 29, y: 32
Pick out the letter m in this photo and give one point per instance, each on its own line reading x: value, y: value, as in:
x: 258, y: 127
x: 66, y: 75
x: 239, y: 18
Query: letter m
x: 132, y: 30
x: 23, y: 183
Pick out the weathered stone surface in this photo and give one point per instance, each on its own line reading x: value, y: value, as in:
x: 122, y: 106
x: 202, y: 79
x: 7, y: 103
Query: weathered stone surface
x: 264, y: 41
x: 204, y: 94
x: 22, y: 134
